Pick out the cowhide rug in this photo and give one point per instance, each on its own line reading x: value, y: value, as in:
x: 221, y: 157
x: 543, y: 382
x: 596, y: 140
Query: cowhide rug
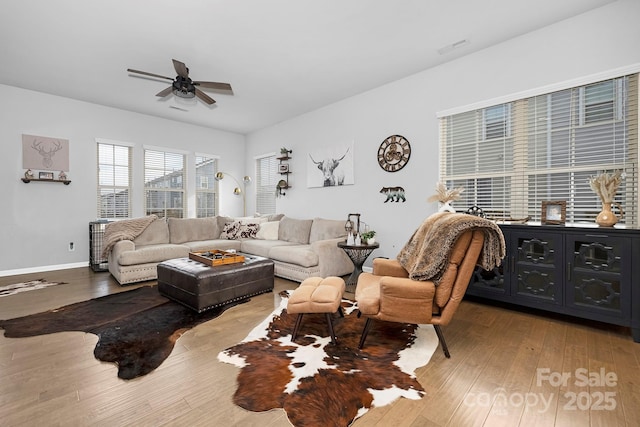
x: 321, y: 384
x: 136, y: 329
x: 31, y: 285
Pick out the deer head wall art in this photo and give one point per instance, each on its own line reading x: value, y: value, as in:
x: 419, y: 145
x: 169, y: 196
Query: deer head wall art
x: 43, y: 153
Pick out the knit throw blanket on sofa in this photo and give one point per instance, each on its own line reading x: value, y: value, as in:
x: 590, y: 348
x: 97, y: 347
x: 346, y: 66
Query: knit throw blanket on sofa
x: 127, y: 229
x: 425, y: 255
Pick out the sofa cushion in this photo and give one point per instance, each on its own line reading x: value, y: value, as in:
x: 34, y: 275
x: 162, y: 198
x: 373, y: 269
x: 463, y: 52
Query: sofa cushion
x: 270, y: 217
x: 206, y: 245
x: 156, y: 233
x: 153, y: 253
x: 268, y: 230
x: 294, y: 230
x: 262, y: 247
x: 189, y: 229
x: 299, y: 254
x: 323, y: 229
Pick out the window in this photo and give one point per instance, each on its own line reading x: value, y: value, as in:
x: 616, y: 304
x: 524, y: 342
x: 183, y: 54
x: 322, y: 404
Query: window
x: 164, y: 179
x: 114, y: 181
x: 206, y: 186
x: 512, y: 156
x: 266, y: 179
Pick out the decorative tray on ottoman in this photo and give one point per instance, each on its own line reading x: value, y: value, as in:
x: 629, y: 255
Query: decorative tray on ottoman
x: 216, y: 257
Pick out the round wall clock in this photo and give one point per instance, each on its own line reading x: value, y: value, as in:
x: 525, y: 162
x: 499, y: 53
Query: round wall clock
x: 394, y: 153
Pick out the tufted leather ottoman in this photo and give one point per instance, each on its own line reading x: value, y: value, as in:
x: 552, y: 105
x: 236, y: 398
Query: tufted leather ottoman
x: 201, y: 287
x: 317, y: 295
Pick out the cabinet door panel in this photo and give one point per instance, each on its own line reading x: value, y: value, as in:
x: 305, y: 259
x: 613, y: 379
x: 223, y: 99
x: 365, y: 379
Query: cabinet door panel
x: 488, y: 282
x: 537, y: 272
x: 595, y: 274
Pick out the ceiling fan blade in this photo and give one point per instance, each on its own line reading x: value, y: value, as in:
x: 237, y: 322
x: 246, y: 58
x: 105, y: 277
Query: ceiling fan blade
x: 144, y: 73
x: 204, y: 97
x: 181, y: 69
x: 165, y: 92
x: 215, y: 86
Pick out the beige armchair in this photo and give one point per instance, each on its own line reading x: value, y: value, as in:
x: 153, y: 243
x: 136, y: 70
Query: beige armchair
x: 389, y: 294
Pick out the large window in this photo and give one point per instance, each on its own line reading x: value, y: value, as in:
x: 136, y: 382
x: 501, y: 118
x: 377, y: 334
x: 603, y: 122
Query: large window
x: 114, y: 180
x: 266, y: 179
x: 512, y: 156
x: 164, y: 183
x: 206, y: 186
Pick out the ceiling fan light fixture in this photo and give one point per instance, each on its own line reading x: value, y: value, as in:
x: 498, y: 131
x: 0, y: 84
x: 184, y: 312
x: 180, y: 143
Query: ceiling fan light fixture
x: 183, y: 88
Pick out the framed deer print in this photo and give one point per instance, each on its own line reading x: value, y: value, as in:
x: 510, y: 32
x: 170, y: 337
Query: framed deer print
x: 45, y: 153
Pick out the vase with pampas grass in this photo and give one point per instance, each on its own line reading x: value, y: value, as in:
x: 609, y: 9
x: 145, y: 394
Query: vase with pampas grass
x: 445, y: 197
x: 605, y: 185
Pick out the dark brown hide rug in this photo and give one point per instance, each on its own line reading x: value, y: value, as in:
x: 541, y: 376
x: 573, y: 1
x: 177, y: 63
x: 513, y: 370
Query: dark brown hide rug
x: 136, y: 329
x: 321, y: 384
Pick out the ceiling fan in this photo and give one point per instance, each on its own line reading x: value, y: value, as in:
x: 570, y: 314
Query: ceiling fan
x: 184, y: 87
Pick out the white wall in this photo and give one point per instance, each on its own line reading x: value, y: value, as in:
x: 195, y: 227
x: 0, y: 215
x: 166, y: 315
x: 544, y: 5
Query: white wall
x: 408, y: 107
x: 40, y: 219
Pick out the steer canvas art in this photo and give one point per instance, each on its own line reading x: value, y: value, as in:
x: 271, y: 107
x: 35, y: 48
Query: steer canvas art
x: 330, y: 166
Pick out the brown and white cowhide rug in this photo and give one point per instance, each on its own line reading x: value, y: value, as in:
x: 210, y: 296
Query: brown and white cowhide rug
x: 321, y: 384
x: 31, y: 285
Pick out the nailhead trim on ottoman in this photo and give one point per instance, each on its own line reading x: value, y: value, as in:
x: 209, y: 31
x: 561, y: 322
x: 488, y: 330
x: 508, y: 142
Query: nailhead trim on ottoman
x: 317, y: 295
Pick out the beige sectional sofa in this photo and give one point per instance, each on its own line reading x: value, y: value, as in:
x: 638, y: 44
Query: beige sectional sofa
x: 300, y: 248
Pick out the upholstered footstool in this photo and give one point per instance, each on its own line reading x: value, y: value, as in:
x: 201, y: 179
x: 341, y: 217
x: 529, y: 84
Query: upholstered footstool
x: 317, y: 295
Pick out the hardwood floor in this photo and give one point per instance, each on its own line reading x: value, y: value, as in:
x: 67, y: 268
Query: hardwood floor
x: 505, y: 370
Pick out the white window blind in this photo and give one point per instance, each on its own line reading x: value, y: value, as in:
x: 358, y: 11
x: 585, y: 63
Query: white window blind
x: 206, y: 186
x: 511, y: 157
x: 164, y: 182
x: 266, y: 179
x: 114, y: 181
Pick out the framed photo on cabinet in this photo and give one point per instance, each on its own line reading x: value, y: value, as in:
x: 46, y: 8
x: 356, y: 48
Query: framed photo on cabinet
x: 554, y: 212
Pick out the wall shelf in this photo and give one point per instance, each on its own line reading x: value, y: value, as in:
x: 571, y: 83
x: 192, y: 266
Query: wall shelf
x: 282, y: 160
x: 28, y: 180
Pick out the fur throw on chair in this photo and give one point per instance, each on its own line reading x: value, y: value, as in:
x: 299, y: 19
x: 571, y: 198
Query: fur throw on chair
x: 425, y: 255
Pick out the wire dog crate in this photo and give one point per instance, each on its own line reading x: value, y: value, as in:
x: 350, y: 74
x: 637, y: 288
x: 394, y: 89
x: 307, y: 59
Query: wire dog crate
x: 96, y: 237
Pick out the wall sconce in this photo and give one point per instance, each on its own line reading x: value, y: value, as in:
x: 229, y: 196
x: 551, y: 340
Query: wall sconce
x: 237, y: 191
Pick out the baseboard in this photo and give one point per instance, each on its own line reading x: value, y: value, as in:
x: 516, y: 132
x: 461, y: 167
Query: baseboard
x: 40, y: 269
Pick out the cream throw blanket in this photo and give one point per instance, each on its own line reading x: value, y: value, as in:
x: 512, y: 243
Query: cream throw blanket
x: 425, y: 255
x: 127, y: 229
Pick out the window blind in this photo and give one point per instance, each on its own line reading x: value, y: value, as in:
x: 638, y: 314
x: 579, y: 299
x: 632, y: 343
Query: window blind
x: 164, y: 178
x: 511, y: 157
x: 114, y: 181
x: 206, y: 186
x: 266, y: 179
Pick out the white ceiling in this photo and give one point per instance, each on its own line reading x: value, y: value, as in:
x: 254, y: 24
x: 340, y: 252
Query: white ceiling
x: 282, y: 57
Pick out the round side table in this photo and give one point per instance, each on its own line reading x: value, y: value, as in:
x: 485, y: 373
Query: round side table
x: 358, y: 255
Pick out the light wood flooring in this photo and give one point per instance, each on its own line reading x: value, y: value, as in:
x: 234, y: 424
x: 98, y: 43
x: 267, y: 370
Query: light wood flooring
x: 494, y: 377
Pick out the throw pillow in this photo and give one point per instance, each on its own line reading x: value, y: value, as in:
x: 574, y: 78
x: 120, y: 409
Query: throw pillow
x: 268, y: 230
x: 247, y: 231
x: 230, y: 230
